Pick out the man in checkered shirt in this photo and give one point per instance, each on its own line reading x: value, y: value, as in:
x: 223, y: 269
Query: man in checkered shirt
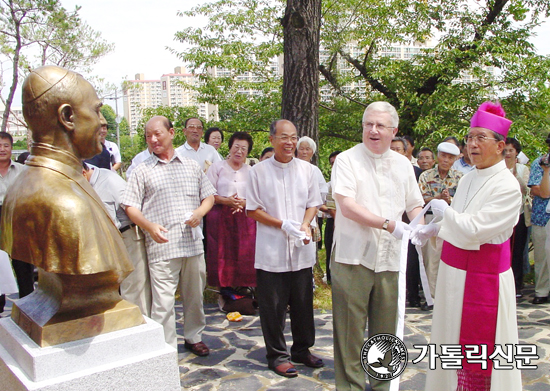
x: 167, y: 196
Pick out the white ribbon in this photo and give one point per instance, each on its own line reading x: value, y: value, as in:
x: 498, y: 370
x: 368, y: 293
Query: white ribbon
x: 394, y: 386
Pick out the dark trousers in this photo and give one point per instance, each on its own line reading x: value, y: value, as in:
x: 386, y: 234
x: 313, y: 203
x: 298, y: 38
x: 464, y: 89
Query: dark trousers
x: 275, y: 292
x: 329, y: 235
x: 517, y: 243
x: 24, y: 273
x: 320, y: 224
x: 413, y: 274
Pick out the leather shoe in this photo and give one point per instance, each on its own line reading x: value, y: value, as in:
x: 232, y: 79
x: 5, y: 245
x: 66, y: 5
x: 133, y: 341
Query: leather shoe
x: 199, y: 348
x: 414, y: 303
x: 540, y: 300
x: 309, y: 361
x: 285, y: 369
x: 426, y: 307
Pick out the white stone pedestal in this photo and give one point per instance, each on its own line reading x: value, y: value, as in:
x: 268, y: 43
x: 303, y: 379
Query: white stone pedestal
x: 132, y: 359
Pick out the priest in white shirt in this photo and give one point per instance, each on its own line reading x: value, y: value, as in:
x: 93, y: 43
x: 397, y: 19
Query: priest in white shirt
x: 283, y: 196
x: 373, y: 186
x: 194, y: 148
x: 476, y: 304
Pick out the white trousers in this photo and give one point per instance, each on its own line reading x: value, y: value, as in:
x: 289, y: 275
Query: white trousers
x: 165, y: 275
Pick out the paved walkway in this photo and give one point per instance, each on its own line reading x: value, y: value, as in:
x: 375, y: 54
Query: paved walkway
x: 237, y: 358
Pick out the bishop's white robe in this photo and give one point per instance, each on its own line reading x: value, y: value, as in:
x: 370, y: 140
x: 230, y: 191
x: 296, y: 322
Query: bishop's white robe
x: 484, y: 210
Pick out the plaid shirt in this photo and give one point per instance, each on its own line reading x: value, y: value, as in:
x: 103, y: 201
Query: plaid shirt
x: 431, y: 184
x: 164, y: 191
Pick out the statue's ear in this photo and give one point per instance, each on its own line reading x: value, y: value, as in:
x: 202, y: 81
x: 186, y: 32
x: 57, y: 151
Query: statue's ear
x: 65, y: 114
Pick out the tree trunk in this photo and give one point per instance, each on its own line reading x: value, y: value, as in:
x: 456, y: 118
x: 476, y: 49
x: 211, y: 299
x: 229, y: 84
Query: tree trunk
x: 300, y: 103
x: 15, y: 76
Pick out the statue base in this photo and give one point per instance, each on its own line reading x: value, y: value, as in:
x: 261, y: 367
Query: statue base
x: 67, y: 308
x: 133, y: 359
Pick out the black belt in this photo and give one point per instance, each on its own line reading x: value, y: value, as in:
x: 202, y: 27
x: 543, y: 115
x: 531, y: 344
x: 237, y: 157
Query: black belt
x: 124, y: 229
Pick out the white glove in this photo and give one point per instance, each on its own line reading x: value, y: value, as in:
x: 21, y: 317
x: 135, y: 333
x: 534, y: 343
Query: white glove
x: 196, y: 231
x: 400, y: 228
x: 438, y: 207
x: 421, y: 233
x: 292, y: 228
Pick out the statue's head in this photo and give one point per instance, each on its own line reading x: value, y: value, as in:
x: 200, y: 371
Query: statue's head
x: 62, y: 109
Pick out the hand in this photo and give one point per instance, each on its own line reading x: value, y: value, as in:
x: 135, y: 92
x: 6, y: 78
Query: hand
x: 292, y: 228
x: 438, y: 207
x: 193, y: 220
x: 307, y: 229
x: 155, y: 230
x: 421, y: 233
x: 235, y: 203
x: 446, y: 196
x: 400, y: 228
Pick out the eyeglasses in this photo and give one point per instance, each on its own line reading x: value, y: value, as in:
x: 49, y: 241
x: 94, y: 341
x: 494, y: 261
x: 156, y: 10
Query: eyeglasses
x: 287, y: 138
x: 480, y: 138
x: 236, y: 148
x: 198, y: 127
x: 369, y: 126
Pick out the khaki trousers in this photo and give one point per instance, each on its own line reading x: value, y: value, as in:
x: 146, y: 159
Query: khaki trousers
x: 542, y: 273
x: 165, y: 276
x: 136, y: 288
x: 359, y: 294
x: 431, y: 254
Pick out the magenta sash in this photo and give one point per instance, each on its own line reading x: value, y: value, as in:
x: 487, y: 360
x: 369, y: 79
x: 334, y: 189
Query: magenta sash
x: 480, y: 304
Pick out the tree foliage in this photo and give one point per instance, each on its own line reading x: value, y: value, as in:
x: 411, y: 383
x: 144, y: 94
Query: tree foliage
x: 41, y: 32
x: 486, y: 42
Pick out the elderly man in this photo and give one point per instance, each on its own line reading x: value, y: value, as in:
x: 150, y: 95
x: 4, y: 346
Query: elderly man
x: 167, y: 196
x: 439, y: 183
x: 426, y: 159
x: 136, y: 288
x: 194, y: 148
x: 373, y: 186
x: 475, y: 290
x: 53, y: 218
x: 283, y: 197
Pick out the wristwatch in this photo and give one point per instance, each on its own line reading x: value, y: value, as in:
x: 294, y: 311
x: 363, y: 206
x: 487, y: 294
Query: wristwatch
x: 385, y: 225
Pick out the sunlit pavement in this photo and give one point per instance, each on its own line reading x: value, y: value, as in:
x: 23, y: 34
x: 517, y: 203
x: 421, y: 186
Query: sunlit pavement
x: 237, y: 352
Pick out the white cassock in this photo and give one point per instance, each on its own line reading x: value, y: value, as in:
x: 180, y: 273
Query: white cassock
x: 484, y: 210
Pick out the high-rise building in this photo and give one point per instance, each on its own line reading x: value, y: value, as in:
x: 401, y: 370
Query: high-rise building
x: 170, y: 90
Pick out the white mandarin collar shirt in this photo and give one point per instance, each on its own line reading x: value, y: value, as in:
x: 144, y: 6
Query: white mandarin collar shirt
x: 284, y: 191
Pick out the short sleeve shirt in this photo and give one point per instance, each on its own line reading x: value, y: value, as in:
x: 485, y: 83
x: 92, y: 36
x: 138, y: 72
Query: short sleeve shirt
x: 6, y: 181
x: 386, y: 186
x: 284, y: 191
x: 431, y: 184
x: 539, y: 216
x: 228, y: 181
x: 205, y: 153
x: 164, y: 191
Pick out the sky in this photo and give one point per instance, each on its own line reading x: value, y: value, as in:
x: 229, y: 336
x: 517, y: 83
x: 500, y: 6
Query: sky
x: 141, y: 30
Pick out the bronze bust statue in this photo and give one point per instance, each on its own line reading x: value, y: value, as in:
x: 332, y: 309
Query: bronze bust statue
x: 53, y: 219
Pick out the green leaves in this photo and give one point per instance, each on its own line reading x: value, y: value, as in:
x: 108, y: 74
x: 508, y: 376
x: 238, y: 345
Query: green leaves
x: 435, y: 60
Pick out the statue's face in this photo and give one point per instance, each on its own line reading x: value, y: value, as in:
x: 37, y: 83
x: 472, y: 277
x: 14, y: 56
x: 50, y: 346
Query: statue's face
x: 87, y: 120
